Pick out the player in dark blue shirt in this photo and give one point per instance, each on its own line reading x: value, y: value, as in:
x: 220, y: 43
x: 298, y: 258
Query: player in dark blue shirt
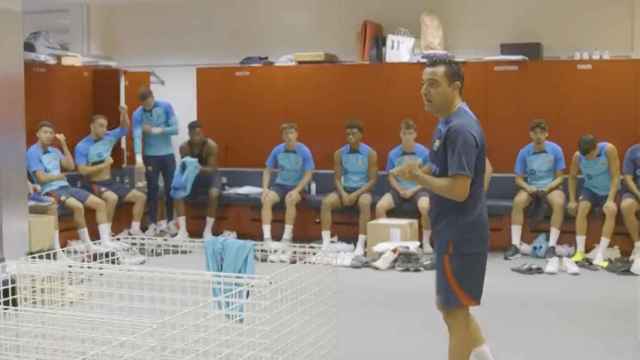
x: 631, y: 196
x: 458, y: 212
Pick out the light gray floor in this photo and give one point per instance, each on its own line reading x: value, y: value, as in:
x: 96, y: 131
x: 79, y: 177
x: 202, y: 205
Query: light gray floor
x: 388, y: 315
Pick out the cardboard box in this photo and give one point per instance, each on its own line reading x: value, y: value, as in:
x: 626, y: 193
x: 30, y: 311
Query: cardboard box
x: 394, y: 230
x: 41, y: 229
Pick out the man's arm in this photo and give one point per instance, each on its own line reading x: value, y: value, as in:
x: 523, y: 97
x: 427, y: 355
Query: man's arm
x: 137, y: 137
x: 266, y: 179
x: 556, y: 183
x: 573, y: 177
x: 614, y: 170
x: 306, y: 179
x: 488, y: 173
x: 454, y: 187
x: 124, y: 118
x: 337, y: 171
x: 88, y: 170
x: 212, y: 157
x: 43, y: 178
x: 67, y: 161
x: 631, y: 186
x: 373, y: 175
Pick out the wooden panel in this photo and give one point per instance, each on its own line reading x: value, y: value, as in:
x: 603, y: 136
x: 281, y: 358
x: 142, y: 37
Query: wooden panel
x: 106, y: 101
x: 62, y: 95
x: 134, y: 80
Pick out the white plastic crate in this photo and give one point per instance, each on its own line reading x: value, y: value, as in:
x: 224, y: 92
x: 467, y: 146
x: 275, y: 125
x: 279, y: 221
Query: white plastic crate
x: 94, y: 307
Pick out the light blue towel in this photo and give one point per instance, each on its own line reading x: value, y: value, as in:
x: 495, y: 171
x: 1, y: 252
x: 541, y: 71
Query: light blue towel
x: 230, y: 256
x: 184, y: 176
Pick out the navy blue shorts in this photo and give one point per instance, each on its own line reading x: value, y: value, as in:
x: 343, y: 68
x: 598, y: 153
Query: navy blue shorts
x: 460, y: 279
x: 101, y: 187
x: 399, y: 200
x: 61, y: 195
x: 350, y: 191
x: 597, y: 201
x: 282, y: 190
x: 203, y: 183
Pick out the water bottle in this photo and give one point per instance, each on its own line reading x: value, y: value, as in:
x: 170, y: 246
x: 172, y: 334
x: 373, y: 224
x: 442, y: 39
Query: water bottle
x: 313, y: 188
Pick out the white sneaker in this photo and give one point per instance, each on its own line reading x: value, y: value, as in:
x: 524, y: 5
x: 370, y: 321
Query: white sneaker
x: 172, y: 228
x: 525, y: 249
x: 570, y: 267
x: 152, y: 230
x: 180, y: 237
x: 635, y: 267
x: 115, y: 245
x: 137, y: 232
x: 358, y: 252
x: 635, y: 253
x: 553, y: 266
x: 385, y: 262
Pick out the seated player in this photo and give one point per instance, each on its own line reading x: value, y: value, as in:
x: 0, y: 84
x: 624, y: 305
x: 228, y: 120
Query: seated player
x: 207, y: 182
x: 539, y: 175
x: 294, y: 163
x: 600, y: 165
x: 45, y: 163
x: 93, y: 157
x: 356, y: 173
x: 631, y: 196
x: 405, y: 191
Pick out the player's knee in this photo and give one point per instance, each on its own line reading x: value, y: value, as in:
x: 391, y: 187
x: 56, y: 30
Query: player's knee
x: 214, y: 195
x: 292, y: 200
x: 628, y: 207
x: 423, y: 206
x: 610, y: 209
x: 365, y: 201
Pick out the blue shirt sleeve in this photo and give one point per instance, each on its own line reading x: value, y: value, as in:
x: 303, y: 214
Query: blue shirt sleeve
x: 521, y: 164
x: 462, y: 151
x: 117, y: 133
x: 137, y: 132
x: 172, y: 126
x: 82, y: 154
x: 33, y: 162
x: 627, y: 163
x: 558, y: 156
x: 391, y: 161
x: 272, y: 160
x: 307, y: 159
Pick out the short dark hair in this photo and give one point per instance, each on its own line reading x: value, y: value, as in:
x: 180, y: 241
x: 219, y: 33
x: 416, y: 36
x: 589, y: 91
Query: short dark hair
x: 354, y: 124
x: 407, y: 124
x: 144, y: 93
x: 46, y: 124
x: 538, y: 124
x: 288, y: 126
x: 97, y: 117
x: 453, y: 70
x: 587, y: 144
x: 194, y: 125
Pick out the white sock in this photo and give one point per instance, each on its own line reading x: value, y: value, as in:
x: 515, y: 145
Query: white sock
x: 326, y: 237
x: 162, y: 224
x: 182, y: 226
x: 288, y: 233
x: 581, y: 241
x: 516, y: 235
x: 84, y: 235
x: 554, y: 234
x: 135, y: 226
x: 266, y: 232
x: 602, y: 248
x: 208, y: 226
x: 426, y: 238
x: 105, y: 232
x: 361, y: 241
x: 56, y: 240
x: 481, y: 353
x: 637, y: 245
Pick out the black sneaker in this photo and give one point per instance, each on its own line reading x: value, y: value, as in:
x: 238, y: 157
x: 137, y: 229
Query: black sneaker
x: 550, y: 253
x: 512, y: 253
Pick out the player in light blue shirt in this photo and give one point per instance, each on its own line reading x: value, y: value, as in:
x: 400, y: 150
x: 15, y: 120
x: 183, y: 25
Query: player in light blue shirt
x: 93, y: 157
x: 356, y: 173
x: 599, y: 164
x: 539, y: 174
x: 45, y: 164
x: 294, y: 163
x: 405, y: 191
x: 154, y: 124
